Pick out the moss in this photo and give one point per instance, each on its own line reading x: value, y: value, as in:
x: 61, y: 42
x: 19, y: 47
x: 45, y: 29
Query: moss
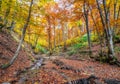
x: 4, y: 66
x: 72, y: 52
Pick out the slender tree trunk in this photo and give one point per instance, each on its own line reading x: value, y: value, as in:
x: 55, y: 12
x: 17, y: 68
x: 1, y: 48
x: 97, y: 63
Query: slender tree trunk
x: 107, y: 29
x: 5, y: 21
x: 110, y: 46
x: 115, y: 7
x: 12, y: 25
x: 118, y: 13
x: 54, y: 37
x: 59, y: 38
x: 99, y: 37
x: 64, y: 36
x: 13, y: 21
x: 87, y: 27
x: 0, y: 4
x: 49, y: 35
x: 115, y: 18
x: 22, y: 37
x: 102, y: 20
x: 36, y: 41
x: 110, y: 32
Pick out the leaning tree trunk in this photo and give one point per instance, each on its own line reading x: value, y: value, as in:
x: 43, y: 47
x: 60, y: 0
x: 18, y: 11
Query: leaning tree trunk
x: 22, y: 38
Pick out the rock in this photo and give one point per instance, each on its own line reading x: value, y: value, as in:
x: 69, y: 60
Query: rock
x: 58, y: 62
x: 66, y: 67
x: 37, y: 65
x: 112, y: 81
x: 22, y: 80
x: 90, y: 80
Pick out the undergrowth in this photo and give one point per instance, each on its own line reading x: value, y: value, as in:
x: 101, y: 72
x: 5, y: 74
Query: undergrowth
x: 41, y: 49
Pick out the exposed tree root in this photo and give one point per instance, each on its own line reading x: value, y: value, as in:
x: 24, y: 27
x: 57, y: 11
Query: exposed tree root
x: 64, y: 66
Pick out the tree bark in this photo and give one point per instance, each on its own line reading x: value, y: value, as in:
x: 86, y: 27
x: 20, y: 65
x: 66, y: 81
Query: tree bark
x: 0, y: 4
x: 115, y: 18
x: 87, y: 26
x: 5, y: 21
x: 110, y: 32
x: 64, y: 36
x: 54, y: 37
x: 99, y: 37
x: 118, y: 13
x: 22, y: 38
x: 107, y: 29
x: 49, y: 35
x: 36, y: 41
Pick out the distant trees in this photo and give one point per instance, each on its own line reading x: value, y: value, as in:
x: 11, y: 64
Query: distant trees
x: 55, y: 24
x: 106, y: 17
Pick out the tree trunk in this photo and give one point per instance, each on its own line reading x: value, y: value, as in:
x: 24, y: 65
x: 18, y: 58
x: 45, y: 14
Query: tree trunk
x: 116, y: 16
x: 54, y: 37
x: 87, y: 27
x: 64, y: 36
x: 0, y: 4
x: 12, y: 26
x: 110, y: 46
x: 49, y: 35
x: 5, y: 21
x: 13, y: 21
x: 110, y: 33
x: 36, y: 41
x: 22, y: 38
x: 118, y: 13
x: 99, y: 37
x: 107, y: 29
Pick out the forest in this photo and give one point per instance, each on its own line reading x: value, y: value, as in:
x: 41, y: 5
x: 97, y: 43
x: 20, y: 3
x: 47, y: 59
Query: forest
x: 59, y: 41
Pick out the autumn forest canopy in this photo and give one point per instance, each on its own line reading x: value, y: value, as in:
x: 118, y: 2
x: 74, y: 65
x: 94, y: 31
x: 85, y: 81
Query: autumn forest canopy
x: 69, y: 29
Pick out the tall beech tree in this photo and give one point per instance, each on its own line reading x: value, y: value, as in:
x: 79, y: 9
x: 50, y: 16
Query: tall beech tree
x: 105, y: 19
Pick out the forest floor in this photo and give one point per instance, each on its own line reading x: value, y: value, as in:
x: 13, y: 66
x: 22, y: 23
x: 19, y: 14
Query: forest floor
x: 55, y: 70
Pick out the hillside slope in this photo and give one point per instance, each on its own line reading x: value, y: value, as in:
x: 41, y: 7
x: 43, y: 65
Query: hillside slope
x: 8, y: 47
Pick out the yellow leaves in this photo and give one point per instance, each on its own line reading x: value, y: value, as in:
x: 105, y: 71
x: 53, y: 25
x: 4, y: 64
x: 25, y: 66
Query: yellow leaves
x: 91, y: 2
x: 108, y: 1
x: 79, y: 22
x: 36, y: 83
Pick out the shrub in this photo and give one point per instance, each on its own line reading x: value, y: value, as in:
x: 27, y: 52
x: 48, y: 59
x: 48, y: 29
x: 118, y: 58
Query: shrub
x: 117, y: 49
x: 41, y: 49
x: 71, y: 52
